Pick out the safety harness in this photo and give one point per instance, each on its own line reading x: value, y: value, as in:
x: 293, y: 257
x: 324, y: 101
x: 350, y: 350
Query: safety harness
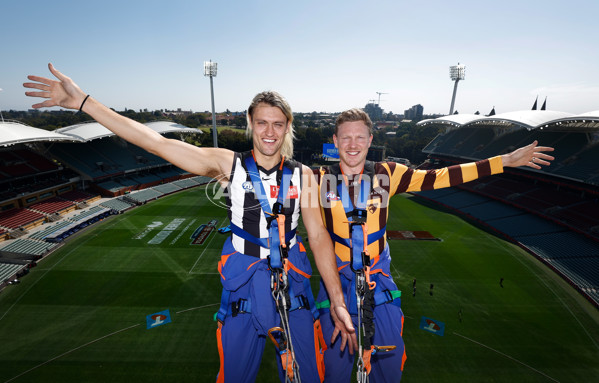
x: 278, y: 242
x: 360, y: 265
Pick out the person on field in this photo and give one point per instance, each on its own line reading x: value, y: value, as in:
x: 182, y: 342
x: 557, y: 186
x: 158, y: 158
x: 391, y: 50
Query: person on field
x: 265, y: 191
x: 355, y: 197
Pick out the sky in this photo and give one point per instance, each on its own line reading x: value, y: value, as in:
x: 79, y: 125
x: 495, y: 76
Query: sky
x: 323, y: 56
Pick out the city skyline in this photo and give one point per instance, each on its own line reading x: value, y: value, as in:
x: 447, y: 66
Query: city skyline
x: 323, y: 57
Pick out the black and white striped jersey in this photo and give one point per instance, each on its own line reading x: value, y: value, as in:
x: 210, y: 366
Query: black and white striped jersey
x: 244, y: 207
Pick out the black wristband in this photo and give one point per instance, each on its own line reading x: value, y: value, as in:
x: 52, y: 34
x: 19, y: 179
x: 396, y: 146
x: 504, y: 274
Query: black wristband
x: 85, y: 99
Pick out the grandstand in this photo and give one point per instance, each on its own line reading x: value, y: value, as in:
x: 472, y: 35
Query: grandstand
x: 553, y: 213
x: 49, y: 181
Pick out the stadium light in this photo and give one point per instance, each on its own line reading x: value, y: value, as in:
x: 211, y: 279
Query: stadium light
x: 210, y: 71
x: 456, y: 73
x: 1, y: 116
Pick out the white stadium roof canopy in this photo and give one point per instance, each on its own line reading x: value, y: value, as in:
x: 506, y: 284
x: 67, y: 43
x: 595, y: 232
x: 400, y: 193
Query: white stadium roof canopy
x: 92, y: 130
x: 12, y: 132
x: 529, y: 119
x: 452, y: 119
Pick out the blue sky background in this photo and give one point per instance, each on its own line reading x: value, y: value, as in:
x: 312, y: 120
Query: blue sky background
x: 324, y: 56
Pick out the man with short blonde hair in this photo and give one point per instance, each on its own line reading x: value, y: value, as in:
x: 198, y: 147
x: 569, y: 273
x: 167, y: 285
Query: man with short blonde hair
x: 354, y: 202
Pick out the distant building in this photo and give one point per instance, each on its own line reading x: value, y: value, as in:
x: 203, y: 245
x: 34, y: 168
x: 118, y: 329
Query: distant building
x: 178, y: 112
x: 374, y: 111
x: 414, y: 113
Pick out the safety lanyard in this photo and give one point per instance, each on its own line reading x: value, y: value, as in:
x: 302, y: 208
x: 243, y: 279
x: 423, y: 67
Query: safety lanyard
x: 276, y: 231
x: 360, y: 265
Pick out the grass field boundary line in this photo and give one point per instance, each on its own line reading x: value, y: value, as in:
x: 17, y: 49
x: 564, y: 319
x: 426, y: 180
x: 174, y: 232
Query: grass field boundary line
x: 507, y: 356
x: 197, y: 308
x: 206, y: 247
x: 567, y: 306
x: 70, y: 351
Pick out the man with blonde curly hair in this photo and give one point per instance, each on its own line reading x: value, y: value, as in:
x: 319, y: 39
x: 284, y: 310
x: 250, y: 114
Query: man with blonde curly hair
x: 266, y: 192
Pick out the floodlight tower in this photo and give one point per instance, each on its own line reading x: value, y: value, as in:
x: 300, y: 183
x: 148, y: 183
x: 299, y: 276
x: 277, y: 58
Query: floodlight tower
x: 210, y: 71
x: 1, y: 117
x: 456, y: 73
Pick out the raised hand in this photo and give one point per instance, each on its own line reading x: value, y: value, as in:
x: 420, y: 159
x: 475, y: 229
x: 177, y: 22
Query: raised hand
x: 530, y: 155
x: 64, y: 93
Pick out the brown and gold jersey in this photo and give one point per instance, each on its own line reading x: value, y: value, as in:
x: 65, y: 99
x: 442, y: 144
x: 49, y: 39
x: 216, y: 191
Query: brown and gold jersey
x: 386, y: 180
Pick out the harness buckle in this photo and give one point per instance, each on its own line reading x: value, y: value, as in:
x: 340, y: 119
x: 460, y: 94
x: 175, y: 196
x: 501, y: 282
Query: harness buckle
x: 284, y: 251
x: 303, y: 302
x: 389, y: 296
x: 365, y: 258
x: 239, y: 307
x: 277, y: 209
x: 359, y: 216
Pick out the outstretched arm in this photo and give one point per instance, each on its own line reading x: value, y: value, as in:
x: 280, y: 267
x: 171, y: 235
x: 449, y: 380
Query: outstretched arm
x: 404, y: 179
x: 324, y: 256
x: 530, y: 155
x: 66, y: 93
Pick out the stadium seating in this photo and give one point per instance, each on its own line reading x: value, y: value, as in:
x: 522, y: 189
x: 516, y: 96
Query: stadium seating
x: 117, y: 204
x: 144, y: 196
x: 8, y: 270
x: 167, y: 188
x: 52, y: 205
x: 78, y: 196
x: 28, y: 246
x: 15, y: 218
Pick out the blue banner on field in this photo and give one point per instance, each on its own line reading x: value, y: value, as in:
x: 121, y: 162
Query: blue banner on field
x: 329, y: 150
x: 432, y: 325
x: 158, y: 319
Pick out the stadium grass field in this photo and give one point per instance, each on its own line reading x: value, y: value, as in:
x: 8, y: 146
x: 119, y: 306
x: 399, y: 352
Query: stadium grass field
x: 80, y: 315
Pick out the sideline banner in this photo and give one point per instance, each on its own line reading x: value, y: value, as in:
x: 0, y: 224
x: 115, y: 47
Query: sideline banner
x: 158, y: 319
x: 432, y: 325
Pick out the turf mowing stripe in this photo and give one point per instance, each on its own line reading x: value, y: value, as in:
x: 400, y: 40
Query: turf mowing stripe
x: 34, y: 283
x: 507, y: 356
x: 73, y: 350
x: 99, y: 339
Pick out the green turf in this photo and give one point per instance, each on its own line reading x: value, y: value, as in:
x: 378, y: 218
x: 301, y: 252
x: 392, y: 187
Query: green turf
x: 80, y: 315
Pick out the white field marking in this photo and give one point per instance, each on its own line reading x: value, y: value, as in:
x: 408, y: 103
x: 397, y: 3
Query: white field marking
x: 206, y: 247
x: 507, y: 356
x: 197, y: 308
x: 543, y: 281
x: 70, y: 351
x: 183, y: 231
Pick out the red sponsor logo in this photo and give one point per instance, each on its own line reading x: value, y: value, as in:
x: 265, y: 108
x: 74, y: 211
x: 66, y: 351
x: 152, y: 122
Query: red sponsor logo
x: 291, y: 192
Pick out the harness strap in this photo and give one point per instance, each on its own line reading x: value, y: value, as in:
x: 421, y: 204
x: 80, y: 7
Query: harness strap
x: 241, y: 306
x: 372, y: 237
x: 224, y: 304
x: 357, y: 217
x: 263, y: 242
x: 380, y: 298
x: 275, y: 257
